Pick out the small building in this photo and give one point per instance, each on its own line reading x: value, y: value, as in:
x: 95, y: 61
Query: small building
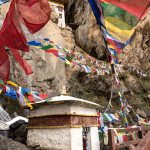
x: 59, y: 8
x: 64, y: 123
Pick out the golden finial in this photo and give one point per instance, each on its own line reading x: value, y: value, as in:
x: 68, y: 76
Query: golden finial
x: 63, y: 92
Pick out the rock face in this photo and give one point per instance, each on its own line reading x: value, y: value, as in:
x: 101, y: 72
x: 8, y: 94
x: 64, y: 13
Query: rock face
x: 144, y: 112
x: 54, y: 16
x: 136, y: 54
x: 8, y: 144
x: 4, y: 116
x: 87, y: 36
x: 48, y: 69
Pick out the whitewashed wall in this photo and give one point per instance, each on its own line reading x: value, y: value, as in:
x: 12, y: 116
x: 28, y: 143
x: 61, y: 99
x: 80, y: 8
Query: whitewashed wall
x: 94, y: 143
x: 76, y: 139
x: 50, y: 138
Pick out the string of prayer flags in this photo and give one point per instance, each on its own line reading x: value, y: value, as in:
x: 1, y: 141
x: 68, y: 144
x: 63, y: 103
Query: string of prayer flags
x: 53, y: 49
x: 98, y: 63
x: 87, y: 69
x: 25, y: 96
x: 141, y: 121
x: 79, y: 56
x: 139, y: 72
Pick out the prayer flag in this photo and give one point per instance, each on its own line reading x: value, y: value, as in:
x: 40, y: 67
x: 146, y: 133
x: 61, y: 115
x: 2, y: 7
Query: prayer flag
x: 4, y: 64
x: 26, y: 67
x: 47, y: 47
x: 117, y: 19
x: 34, y: 13
x: 43, y: 96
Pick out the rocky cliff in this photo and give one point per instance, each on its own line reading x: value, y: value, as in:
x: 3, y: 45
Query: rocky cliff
x: 136, y: 54
x: 49, y: 71
x: 52, y: 72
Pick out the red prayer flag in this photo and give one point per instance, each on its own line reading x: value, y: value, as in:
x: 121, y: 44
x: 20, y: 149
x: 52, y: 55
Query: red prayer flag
x: 11, y: 34
x: 26, y: 67
x: 135, y: 7
x: 125, y: 138
x: 43, y: 96
x: 55, y: 52
x: 35, y: 13
x: 99, y: 115
x: 30, y: 98
x: 4, y: 64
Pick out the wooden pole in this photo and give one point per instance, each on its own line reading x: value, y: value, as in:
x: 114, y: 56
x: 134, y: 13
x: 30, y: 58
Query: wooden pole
x: 111, y: 139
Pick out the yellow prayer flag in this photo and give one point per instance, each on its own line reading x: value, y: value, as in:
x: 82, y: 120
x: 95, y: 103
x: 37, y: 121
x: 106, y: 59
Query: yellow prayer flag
x: 121, y: 34
x: 1, y: 91
x: 116, y: 115
x: 12, y: 83
x: 38, y: 47
x: 143, y: 122
x: 125, y: 120
x: 28, y: 104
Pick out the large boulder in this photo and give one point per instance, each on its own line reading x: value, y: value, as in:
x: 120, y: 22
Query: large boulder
x: 143, y: 112
x: 8, y: 144
x: 18, y: 129
x: 88, y: 35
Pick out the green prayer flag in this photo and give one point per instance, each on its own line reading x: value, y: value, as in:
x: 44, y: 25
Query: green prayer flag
x: 105, y: 118
x: 64, y: 50
x: 47, y: 47
x: 27, y: 99
x: 48, y: 99
x: 101, y: 136
x: 1, y: 81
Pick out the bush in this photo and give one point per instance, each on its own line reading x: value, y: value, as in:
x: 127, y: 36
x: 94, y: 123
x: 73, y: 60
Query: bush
x: 122, y: 76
